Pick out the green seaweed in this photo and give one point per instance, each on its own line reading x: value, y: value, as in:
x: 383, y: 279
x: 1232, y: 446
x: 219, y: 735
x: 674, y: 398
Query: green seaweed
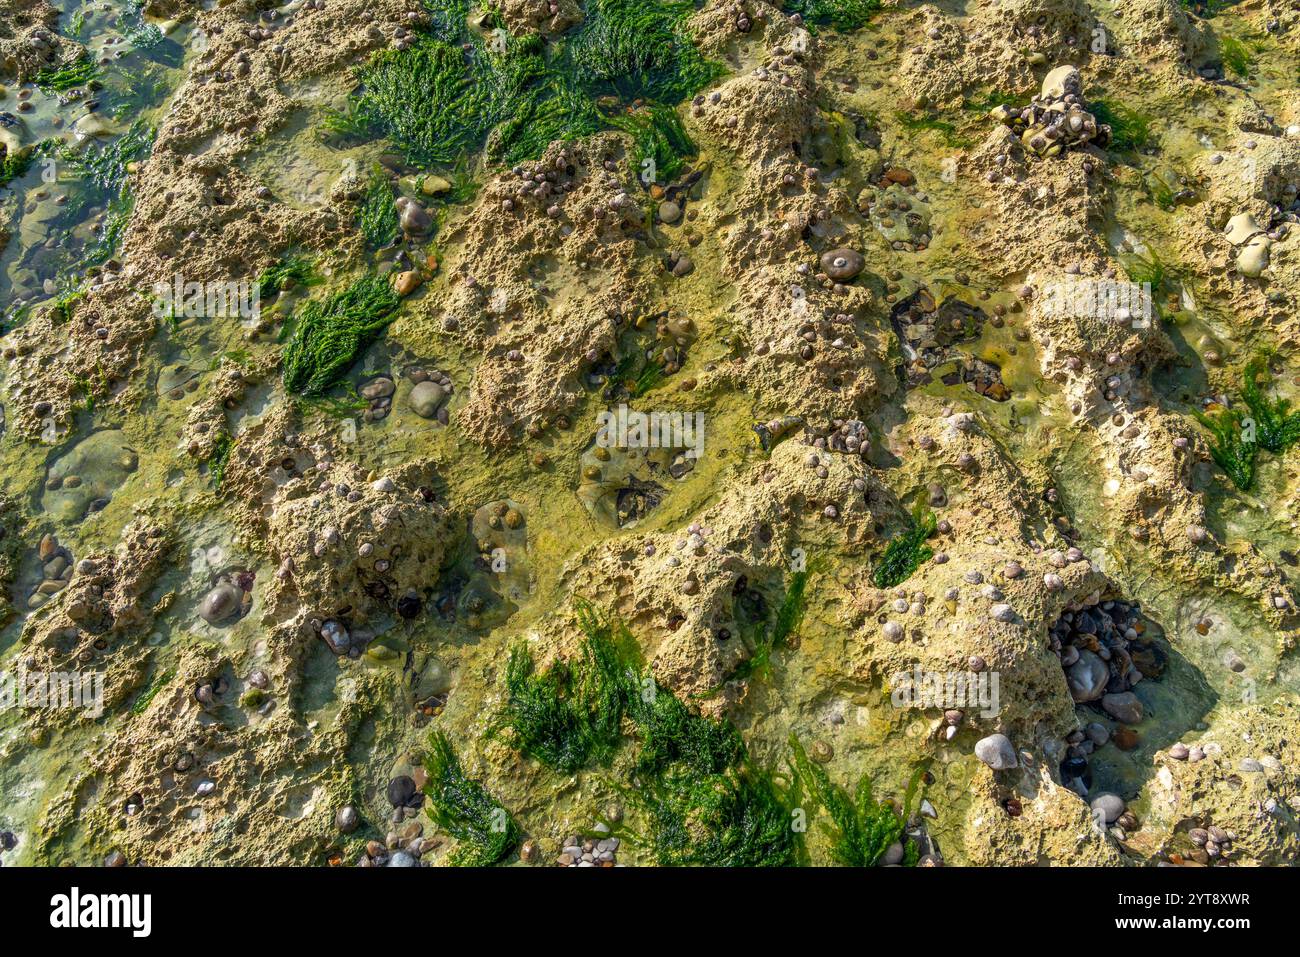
x: 218, y: 460
x: 117, y: 216
x: 639, y: 49
x: 930, y: 123
x: 345, y: 407
x: 672, y: 735
x: 705, y: 800
x: 1233, y: 448
x: 329, y: 336
x: 906, y: 551
x: 739, y: 818
x: 377, y: 217
x: 1236, y: 56
x: 285, y: 274
x: 761, y: 640
x: 105, y: 167
x: 861, y: 828
x: 141, y: 704
x: 452, y: 94
x: 68, y: 76
x: 65, y: 302
x: 659, y: 137
x: 1206, y: 8
x: 986, y: 100
x: 1130, y: 131
x: 138, y: 31
x: 1277, y: 428
x: 466, y: 810
x: 570, y: 717
x: 440, y: 104
x: 16, y: 164
x: 843, y: 15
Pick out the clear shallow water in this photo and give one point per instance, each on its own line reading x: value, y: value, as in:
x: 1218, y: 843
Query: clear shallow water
x: 63, y: 218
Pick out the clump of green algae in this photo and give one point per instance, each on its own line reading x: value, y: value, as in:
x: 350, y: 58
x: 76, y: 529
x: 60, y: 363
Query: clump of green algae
x: 453, y: 93
x: 1277, y: 428
x: 861, y: 828
x: 1130, y: 131
x: 68, y: 76
x: 906, y: 551
x: 1238, y: 436
x: 377, y: 216
x: 288, y: 272
x: 466, y: 810
x: 328, y: 336
x: 843, y: 15
x: 707, y: 803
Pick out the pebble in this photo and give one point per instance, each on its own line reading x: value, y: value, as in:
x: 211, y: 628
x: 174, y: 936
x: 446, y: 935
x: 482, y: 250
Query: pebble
x: 997, y: 752
x: 1124, y: 707
x: 842, y: 264
x: 1110, y: 805
x: 1002, y: 612
x: 407, y: 282
x: 347, y: 819
x: 669, y: 212
x: 220, y: 603
x: 425, y: 399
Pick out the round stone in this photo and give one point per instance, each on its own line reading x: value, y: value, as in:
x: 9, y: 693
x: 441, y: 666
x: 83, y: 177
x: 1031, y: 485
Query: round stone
x: 997, y: 752
x: 842, y: 264
x: 425, y: 399
x: 220, y: 603
x: 669, y: 212
x: 1124, y: 707
x: 1110, y: 806
x: 347, y: 819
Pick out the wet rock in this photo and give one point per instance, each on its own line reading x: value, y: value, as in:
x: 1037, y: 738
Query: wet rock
x: 401, y: 791
x: 380, y: 388
x: 336, y: 636
x: 415, y: 220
